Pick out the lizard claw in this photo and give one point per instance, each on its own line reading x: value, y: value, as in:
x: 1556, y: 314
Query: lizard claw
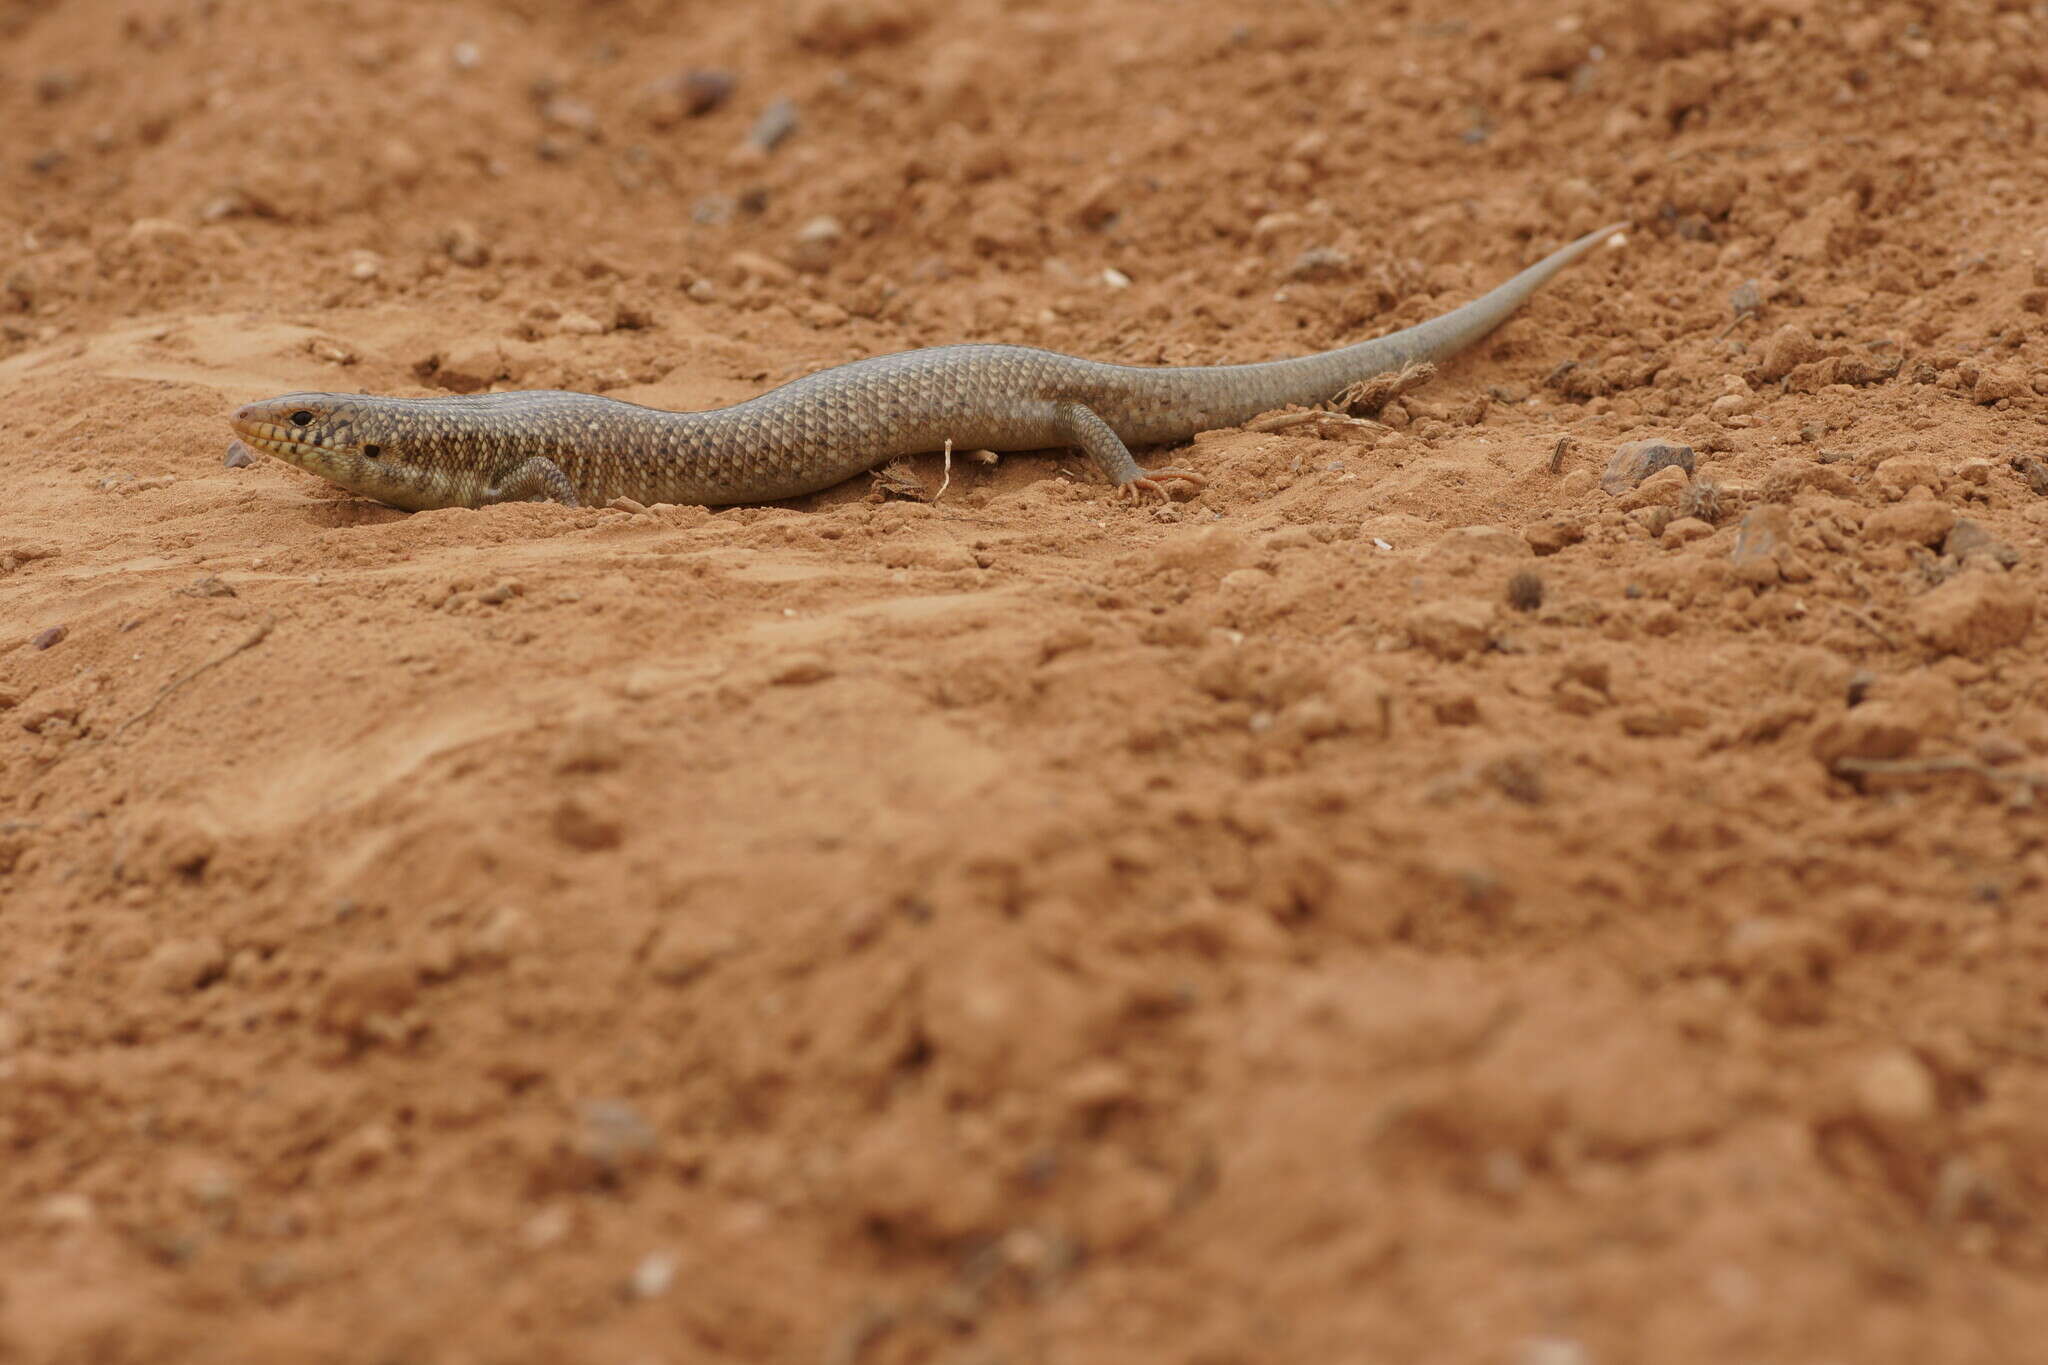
x: 1155, y: 481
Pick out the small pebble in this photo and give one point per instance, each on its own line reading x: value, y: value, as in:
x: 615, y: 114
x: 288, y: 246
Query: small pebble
x: 613, y: 1134
x: 801, y: 671
x: 1745, y: 300
x: 465, y: 245
x: 181, y: 965
x: 465, y: 56
x: 1451, y: 628
x: 239, y: 456
x: 54, y: 85
x: 44, y: 639
x: 704, y: 89
x: 1636, y: 461
x: 2034, y: 471
x: 1319, y: 263
x: 1895, y: 1087
x: 776, y: 123
x: 823, y: 228
x: 1116, y: 279
x: 1525, y: 591
x: 653, y: 1276
x: 572, y: 114
x: 1552, y: 1351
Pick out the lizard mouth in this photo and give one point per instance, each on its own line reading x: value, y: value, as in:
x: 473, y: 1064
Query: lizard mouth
x: 272, y: 438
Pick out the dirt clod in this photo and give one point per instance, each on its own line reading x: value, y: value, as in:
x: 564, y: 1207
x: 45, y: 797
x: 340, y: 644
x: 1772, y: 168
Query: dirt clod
x: 1637, y: 461
x: 1975, y: 614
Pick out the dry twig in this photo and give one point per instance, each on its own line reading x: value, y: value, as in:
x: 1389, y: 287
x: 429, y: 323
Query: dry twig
x: 250, y: 641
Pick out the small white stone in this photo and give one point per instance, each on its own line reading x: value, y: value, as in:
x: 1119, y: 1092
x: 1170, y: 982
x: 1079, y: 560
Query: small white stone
x: 1116, y: 279
x: 653, y: 1276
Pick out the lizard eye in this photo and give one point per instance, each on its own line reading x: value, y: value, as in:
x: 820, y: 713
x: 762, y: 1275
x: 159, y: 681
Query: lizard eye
x: 371, y: 452
x: 302, y: 418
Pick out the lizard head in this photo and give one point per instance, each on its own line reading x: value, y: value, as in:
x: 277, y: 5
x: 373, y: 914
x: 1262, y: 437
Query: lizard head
x: 366, y: 445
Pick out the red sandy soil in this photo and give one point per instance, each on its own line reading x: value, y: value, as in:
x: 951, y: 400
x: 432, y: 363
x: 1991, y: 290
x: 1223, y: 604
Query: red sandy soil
x: 1027, y: 926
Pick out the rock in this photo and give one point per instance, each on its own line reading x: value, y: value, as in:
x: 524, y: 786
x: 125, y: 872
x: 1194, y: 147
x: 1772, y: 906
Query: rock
x: 1746, y: 300
x: 691, y: 94
x: 2034, y: 471
x: 817, y: 243
x: 1663, y: 489
x: 1548, y: 537
x: 1895, y: 1089
x: 1918, y: 521
x: 49, y: 637
x: 1996, y: 382
x: 583, y: 826
x: 465, y: 245
x: 1968, y: 539
x: 653, y: 1275
x: 1900, y: 474
x: 365, y: 997
x: 160, y: 234
x: 1974, y: 614
x: 1574, y: 485
x: 1362, y: 702
x: 1730, y: 406
x: 1876, y: 729
x: 1319, y: 263
x: 1453, y: 627
x: 1638, y: 460
x: 1525, y: 591
x: 752, y: 265
x: 775, y: 124
x: 1764, y: 536
x: 470, y: 369
x: 504, y: 934
x: 179, y: 966
x: 567, y: 112
x: 680, y: 951
x: 1245, y: 580
x: 843, y: 27
x: 1785, y: 351
x: 1685, y: 530
x: 800, y: 670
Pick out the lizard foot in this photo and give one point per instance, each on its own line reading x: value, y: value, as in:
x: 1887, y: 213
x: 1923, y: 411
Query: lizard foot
x: 1155, y: 481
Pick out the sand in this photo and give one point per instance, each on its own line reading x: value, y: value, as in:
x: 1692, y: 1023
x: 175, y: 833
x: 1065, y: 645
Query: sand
x: 1451, y: 891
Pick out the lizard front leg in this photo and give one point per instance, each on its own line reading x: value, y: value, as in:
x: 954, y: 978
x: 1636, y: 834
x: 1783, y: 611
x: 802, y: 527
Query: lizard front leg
x: 537, y: 480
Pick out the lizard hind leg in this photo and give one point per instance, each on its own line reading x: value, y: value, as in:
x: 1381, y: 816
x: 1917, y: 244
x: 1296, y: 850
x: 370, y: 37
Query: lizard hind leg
x: 1083, y: 427
x: 537, y: 480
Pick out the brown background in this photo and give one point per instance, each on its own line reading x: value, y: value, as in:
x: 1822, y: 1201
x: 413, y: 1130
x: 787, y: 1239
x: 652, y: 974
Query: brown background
x: 1029, y: 927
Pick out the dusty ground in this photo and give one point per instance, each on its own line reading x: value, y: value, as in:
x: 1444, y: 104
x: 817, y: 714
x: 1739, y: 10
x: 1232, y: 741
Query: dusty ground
x: 1028, y: 927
